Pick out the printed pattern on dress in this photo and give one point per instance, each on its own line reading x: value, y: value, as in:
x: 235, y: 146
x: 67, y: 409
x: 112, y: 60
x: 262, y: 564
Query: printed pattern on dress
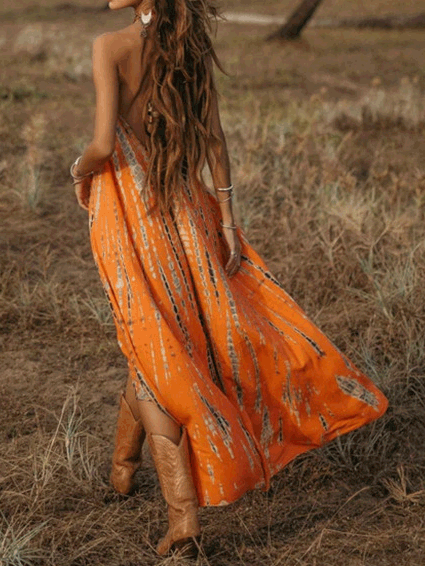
x: 233, y: 359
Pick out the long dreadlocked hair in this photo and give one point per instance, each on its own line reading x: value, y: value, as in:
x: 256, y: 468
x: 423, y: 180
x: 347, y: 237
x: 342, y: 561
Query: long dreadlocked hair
x: 179, y: 83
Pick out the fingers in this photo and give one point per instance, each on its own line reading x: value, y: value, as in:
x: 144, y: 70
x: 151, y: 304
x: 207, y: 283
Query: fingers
x: 83, y: 197
x: 235, y: 248
x: 233, y: 263
x: 84, y: 203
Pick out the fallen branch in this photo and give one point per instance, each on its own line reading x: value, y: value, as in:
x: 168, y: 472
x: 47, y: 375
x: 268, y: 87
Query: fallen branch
x: 390, y: 21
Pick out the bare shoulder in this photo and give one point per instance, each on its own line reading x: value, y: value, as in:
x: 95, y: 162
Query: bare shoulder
x: 113, y: 44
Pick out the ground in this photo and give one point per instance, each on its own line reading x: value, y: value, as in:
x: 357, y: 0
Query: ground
x: 326, y: 140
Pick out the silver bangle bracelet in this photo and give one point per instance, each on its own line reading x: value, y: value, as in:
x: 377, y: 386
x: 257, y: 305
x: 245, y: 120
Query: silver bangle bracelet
x: 225, y: 188
x: 234, y: 227
x: 226, y: 199
x: 78, y: 177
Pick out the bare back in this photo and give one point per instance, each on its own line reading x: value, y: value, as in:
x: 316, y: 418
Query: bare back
x: 133, y: 54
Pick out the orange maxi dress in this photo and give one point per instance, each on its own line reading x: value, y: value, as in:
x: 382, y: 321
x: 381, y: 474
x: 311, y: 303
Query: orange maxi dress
x: 233, y: 359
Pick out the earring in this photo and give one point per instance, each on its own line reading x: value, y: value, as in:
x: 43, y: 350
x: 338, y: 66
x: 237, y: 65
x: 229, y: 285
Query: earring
x: 145, y: 20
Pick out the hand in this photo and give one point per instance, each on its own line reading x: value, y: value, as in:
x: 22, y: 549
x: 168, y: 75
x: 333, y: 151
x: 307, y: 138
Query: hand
x: 235, y: 248
x: 82, y: 192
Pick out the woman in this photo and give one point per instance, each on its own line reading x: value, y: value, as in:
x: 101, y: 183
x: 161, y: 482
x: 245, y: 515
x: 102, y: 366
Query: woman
x: 228, y: 378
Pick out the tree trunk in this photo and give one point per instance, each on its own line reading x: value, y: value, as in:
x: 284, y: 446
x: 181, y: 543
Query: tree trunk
x: 296, y: 22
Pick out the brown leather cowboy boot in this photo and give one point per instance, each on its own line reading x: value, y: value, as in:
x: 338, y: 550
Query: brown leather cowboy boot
x: 175, y: 477
x: 127, y: 457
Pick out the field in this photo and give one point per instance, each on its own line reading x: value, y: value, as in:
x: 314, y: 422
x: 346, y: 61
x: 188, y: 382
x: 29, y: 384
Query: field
x: 326, y: 141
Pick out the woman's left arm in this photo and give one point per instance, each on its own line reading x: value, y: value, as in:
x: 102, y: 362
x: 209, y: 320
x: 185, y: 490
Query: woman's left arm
x: 105, y: 78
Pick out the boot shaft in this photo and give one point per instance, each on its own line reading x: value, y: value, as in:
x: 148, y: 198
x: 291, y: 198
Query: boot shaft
x: 126, y: 458
x: 172, y: 463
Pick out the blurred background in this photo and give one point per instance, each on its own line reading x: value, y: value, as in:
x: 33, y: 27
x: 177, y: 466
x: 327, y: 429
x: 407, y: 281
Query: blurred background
x: 325, y: 127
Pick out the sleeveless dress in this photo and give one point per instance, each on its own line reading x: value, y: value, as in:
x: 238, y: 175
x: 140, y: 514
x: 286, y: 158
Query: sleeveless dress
x: 233, y: 359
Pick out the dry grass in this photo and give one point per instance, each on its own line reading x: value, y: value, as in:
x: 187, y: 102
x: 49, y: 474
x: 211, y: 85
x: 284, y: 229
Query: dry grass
x: 326, y: 139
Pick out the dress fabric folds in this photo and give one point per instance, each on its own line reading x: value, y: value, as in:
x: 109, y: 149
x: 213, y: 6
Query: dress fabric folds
x: 233, y: 359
